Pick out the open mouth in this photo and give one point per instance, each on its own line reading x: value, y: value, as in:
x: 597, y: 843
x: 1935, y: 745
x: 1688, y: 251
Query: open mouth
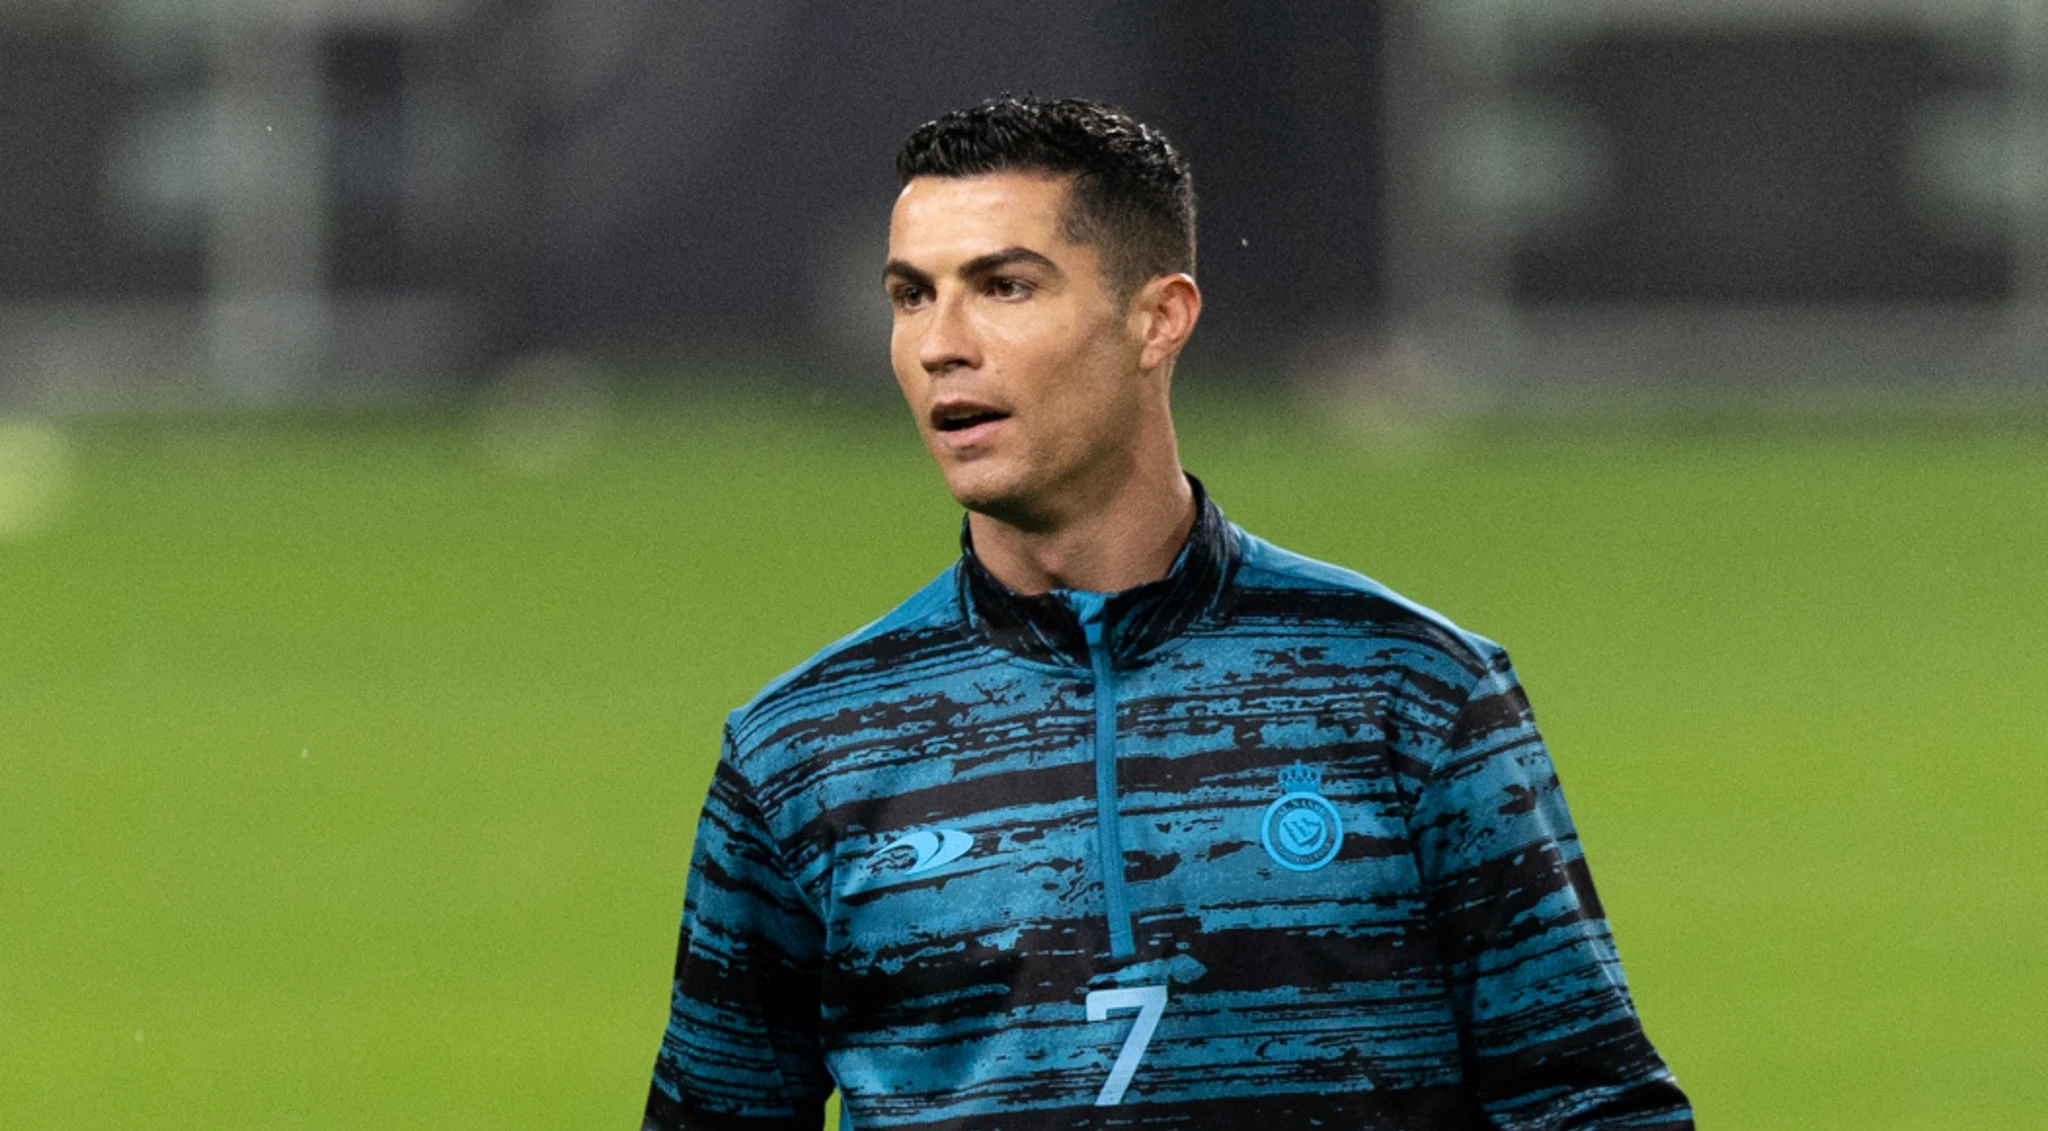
x: 959, y: 418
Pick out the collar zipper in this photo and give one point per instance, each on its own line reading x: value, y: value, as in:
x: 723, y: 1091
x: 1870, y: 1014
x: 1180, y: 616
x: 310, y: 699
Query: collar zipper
x: 1109, y: 848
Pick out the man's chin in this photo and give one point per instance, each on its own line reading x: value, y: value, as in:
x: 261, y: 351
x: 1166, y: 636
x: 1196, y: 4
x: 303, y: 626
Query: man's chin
x: 994, y: 496
x: 981, y: 496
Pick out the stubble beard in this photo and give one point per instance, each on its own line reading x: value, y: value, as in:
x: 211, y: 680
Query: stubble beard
x: 1039, y: 496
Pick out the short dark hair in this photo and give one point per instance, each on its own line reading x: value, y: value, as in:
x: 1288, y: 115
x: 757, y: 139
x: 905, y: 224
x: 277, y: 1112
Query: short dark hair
x: 1133, y: 197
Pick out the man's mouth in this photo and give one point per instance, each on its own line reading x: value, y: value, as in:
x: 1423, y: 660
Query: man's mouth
x: 959, y: 418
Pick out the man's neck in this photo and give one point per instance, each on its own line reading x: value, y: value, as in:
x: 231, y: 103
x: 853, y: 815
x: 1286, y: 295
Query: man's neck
x: 1130, y: 540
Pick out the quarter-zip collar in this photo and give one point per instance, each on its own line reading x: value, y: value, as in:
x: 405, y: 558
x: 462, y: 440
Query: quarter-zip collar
x: 1135, y: 621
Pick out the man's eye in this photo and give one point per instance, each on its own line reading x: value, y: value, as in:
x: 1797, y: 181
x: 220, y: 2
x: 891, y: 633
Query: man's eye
x: 906, y: 297
x: 1003, y: 286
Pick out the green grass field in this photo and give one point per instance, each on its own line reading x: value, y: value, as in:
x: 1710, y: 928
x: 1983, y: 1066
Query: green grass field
x: 348, y: 765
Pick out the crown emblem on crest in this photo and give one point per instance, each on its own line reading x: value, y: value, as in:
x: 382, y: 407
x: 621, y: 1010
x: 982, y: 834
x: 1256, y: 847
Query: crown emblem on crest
x: 1300, y: 779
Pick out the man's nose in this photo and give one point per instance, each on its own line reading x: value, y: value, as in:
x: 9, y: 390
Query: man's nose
x: 949, y: 338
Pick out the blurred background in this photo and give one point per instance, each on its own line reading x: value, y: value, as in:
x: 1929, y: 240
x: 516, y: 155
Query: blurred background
x: 256, y: 203
x: 419, y: 422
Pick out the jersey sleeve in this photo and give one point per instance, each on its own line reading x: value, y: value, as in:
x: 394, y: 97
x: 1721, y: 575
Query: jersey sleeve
x: 741, y: 1052
x: 1551, y: 1036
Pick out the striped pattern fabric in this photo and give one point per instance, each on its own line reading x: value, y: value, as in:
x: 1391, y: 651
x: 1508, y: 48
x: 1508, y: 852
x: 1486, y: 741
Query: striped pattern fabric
x: 1259, y: 845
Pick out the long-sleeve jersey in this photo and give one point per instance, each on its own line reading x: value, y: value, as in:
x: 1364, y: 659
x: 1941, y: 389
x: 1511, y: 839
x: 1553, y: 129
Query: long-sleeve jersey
x: 1260, y: 845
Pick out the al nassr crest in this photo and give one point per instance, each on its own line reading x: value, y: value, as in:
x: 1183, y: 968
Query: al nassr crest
x: 1301, y: 831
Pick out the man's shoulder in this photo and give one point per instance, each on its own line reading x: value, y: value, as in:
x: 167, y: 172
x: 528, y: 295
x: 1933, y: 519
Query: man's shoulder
x: 1279, y: 585
x: 845, y: 669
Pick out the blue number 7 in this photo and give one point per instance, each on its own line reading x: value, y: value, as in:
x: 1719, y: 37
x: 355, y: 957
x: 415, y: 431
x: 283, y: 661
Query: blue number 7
x: 1150, y: 1002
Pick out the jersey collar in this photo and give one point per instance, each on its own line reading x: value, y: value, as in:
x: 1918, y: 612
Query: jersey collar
x: 1139, y: 619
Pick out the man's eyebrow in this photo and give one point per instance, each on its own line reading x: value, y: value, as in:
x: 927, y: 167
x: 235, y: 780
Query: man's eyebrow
x: 979, y: 265
x: 1007, y: 257
x: 897, y: 269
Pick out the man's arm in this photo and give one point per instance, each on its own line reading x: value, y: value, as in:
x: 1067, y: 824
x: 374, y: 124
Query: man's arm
x: 1551, y: 1035
x: 741, y: 1052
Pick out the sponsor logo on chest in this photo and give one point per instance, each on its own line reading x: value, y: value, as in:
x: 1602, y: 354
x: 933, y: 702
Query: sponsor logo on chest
x: 911, y: 856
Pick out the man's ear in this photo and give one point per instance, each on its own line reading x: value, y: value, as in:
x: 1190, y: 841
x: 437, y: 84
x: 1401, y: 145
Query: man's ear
x: 1163, y: 313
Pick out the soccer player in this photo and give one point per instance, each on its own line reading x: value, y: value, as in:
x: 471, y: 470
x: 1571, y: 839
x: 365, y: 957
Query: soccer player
x: 1129, y: 818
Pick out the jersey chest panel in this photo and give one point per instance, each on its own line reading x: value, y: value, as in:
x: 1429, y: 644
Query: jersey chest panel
x: 966, y: 924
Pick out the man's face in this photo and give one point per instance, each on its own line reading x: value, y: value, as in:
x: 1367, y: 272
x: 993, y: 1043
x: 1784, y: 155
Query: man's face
x: 1019, y: 365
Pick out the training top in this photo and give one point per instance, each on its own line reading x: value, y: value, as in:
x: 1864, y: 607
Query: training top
x: 1259, y: 845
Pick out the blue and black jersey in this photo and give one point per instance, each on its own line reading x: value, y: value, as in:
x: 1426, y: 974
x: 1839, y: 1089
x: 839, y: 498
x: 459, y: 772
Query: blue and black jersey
x: 1258, y: 845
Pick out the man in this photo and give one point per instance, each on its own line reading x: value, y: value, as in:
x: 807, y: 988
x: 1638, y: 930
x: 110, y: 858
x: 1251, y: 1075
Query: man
x: 1129, y: 819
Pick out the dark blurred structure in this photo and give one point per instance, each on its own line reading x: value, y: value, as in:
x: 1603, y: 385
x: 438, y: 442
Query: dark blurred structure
x: 726, y: 180
x: 265, y: 201
x: 244, y: 202
x: 1638, y: 196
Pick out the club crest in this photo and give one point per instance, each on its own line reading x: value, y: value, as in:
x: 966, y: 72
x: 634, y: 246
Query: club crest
x: 1302, y: 830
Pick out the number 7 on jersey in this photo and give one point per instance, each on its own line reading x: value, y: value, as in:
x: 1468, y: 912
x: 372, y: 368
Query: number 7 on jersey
x: 1150, y: 1002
